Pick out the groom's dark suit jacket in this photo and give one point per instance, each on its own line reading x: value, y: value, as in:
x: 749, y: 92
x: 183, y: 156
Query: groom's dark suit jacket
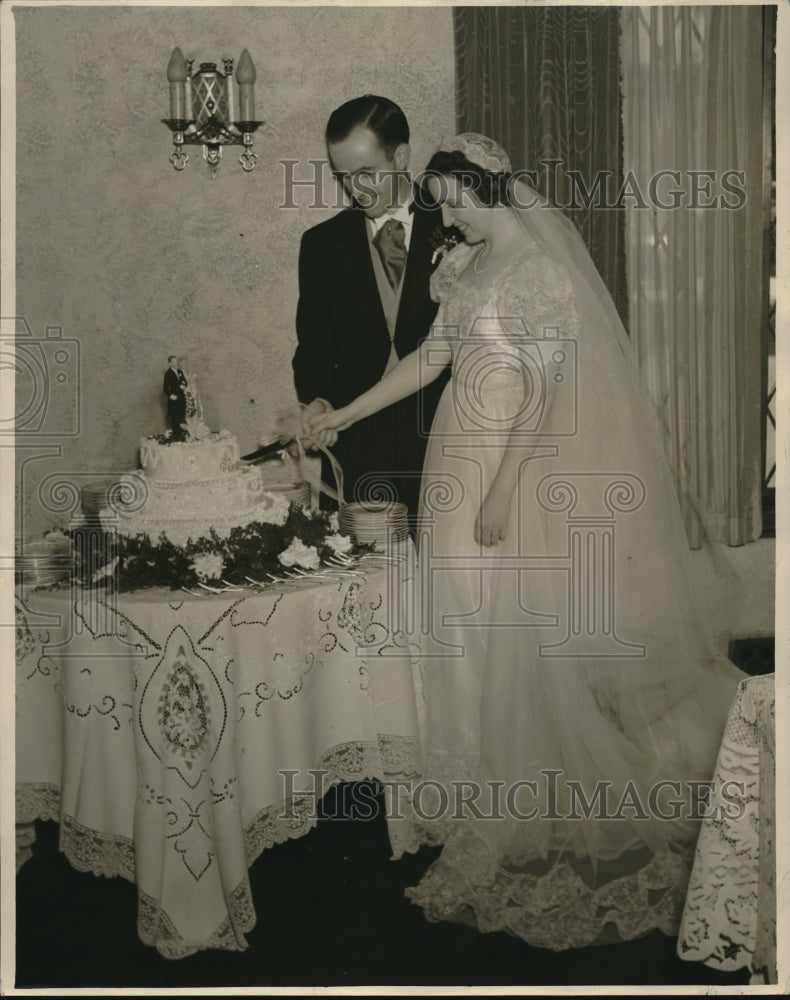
x: 344, y: 347
x: 174, y: 382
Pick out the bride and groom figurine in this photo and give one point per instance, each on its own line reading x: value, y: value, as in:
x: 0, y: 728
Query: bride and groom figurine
x: 573, y: 695
x: 182, y: 396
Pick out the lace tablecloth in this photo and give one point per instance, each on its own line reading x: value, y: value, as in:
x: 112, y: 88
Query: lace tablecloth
x: 170, y: 735
x: 729, y: 921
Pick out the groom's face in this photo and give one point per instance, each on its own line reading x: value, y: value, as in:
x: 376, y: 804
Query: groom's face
x: 371, y: 178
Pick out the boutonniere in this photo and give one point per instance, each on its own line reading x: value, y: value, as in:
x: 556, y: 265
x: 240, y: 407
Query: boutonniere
x: 443, y: 239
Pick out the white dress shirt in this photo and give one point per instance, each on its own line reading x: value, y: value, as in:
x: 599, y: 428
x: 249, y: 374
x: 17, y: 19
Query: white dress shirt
x: 402, y: 215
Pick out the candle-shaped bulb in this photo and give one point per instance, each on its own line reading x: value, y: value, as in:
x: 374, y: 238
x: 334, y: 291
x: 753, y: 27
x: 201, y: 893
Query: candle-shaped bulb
x: 245, y: 69
x: 177, y: 67
x: 177, y: 75
x: 245, y: 77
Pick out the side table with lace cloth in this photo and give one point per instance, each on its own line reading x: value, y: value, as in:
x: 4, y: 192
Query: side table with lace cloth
x: 729, y: 920
x: 174, y: 737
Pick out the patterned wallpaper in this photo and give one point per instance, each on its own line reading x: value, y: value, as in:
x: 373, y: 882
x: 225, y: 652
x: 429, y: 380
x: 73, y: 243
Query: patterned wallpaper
x: 135, y: 260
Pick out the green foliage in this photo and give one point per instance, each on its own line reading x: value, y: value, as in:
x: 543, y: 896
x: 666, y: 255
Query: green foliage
x: 251, y: 552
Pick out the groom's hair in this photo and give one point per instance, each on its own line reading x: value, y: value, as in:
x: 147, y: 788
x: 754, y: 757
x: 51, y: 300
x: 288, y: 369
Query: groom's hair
x: 383, y: 117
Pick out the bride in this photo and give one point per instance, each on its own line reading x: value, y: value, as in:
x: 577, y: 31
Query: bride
x: 194, y: 406
x: 574, y: 701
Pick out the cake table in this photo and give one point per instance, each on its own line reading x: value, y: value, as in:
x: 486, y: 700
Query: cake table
x: 174, y: 737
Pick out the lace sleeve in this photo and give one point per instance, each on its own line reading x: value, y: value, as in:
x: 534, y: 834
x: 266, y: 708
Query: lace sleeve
x: 538, y: 292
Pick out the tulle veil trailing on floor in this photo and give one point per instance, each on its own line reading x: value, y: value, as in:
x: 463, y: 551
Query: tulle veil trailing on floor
x: 574, y: 699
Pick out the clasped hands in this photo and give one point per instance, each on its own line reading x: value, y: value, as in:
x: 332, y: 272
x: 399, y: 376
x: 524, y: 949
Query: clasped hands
x: 321, y: 424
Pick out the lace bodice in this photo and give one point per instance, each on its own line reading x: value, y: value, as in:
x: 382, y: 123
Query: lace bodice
x: 530, y: 298
x: 505, y: 337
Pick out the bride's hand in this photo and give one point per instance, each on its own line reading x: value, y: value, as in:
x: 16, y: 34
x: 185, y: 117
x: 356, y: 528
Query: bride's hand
x: 322, y: 439
x: 491, y: 523
x: 333, y: 420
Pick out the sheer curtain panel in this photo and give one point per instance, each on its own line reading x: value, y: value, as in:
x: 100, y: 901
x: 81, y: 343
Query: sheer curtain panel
x: 692, y: 82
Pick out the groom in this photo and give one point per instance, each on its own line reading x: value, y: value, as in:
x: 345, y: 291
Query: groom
x: 364, y: 302
x: 174, y: 385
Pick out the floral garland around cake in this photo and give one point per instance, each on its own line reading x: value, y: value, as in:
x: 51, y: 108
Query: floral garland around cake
x: 254, y: 553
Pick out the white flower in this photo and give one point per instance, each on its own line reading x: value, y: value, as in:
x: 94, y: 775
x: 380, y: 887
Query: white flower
x: 208, y: 566
x: 334, y: 521
x: 103, y: 571
x: 196, y: 429
x: 299, y: 554
x: 278, y: 510
x: 340, y: 543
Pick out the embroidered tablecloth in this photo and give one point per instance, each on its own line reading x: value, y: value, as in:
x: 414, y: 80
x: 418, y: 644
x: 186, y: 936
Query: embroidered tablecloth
x: 170, y: 735
x: 729, y: 921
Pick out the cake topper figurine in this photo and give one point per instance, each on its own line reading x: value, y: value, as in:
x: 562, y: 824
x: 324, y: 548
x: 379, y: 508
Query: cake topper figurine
x: 175, y: 384
x: 194, y: 405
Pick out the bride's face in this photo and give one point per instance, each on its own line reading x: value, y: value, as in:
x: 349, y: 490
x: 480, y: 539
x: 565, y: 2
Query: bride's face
x: 460, y: 208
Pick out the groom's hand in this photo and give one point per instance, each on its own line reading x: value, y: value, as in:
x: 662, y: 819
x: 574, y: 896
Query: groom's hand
x: 315, y: 438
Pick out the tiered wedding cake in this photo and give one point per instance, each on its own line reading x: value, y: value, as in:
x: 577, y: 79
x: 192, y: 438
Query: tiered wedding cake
x: 189, y: 489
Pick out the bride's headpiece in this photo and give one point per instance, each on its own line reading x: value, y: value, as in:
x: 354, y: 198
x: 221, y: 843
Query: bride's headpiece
x: 478, y: 149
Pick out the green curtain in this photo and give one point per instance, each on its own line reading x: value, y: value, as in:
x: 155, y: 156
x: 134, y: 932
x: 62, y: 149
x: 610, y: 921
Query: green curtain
x: 545, y: 83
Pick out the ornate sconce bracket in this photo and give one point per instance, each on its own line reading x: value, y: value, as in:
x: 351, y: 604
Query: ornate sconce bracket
x: 203, y: 110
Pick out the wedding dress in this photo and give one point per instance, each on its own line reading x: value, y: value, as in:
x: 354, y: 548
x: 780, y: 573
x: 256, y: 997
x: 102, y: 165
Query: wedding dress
x: 194, y: 407
x: 568, y: 676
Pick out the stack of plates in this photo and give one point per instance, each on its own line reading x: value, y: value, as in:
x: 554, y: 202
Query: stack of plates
x: 299, y: 492
x: 44, y: 562
x: 372, y: 523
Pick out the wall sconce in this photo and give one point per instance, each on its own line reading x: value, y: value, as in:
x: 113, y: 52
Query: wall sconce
x: 203, y: 110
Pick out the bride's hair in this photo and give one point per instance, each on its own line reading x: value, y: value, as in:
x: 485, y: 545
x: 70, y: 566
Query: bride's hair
x: 489, y: 187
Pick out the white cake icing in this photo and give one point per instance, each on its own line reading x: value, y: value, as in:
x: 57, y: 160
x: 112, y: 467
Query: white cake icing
x: 189, y: 489
x: 190, y: 461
